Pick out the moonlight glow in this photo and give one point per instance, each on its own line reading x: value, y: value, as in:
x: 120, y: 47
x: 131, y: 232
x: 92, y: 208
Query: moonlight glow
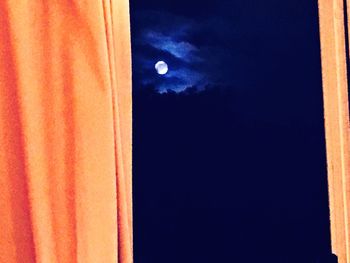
x: 161, y: 67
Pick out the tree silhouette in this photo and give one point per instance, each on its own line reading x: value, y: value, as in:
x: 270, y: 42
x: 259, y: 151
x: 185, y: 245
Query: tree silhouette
x: 214, y: 183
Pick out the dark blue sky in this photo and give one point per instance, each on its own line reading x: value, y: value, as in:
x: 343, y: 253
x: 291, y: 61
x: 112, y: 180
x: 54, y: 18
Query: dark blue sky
x: 229, y: 43
x: 266, y: 50
x: 235, y: 172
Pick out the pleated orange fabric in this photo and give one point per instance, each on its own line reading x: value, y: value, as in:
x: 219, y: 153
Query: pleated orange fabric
x: 65, y: 131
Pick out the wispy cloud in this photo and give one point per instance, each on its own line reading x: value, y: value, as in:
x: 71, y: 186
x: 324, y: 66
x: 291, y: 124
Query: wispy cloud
x: 178, y: 48
x: 189, y: 47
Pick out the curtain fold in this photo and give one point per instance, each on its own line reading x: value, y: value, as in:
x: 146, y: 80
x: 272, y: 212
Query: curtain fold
x: 65, y: 131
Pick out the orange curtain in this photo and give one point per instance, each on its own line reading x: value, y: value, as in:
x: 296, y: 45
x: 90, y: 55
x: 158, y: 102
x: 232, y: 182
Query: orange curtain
x: 65, y: 131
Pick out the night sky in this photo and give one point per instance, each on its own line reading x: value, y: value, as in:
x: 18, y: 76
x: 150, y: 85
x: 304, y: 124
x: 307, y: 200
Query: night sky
x: 228, y: 43
x: 229, y: 151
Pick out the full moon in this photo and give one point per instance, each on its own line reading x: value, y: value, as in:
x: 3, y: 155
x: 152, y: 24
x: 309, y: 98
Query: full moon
x: 161, y: 67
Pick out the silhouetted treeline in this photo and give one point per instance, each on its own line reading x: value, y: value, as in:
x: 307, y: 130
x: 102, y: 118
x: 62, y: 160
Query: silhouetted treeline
x: 215, y: 183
